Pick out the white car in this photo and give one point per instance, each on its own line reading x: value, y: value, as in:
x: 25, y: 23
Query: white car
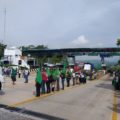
x: 1, y: 81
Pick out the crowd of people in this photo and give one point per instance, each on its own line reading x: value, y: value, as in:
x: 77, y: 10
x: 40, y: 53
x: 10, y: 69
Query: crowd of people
x: 48, y: 79
x: 51, y: 79
x: 14, y: 72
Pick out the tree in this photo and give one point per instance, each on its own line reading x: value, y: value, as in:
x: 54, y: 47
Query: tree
x: 41, y: 60
x: 56, y: 59
x: 41, y: 47
x: 118, y: 62
x: 118, y: 42
x: 34, y: 47
x: 2, y: 47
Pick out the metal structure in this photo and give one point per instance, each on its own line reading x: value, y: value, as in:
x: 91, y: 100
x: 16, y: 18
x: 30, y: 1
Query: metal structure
x: 103, y: 52
x: 72, y: 52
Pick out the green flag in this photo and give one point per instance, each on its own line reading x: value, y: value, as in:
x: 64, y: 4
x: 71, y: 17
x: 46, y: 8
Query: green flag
x: 57, y: 73
x: 70, y: 72
x: 39, y: 76
x: 64, y: 68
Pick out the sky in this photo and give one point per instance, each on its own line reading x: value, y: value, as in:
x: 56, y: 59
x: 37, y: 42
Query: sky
x: 60, y: 23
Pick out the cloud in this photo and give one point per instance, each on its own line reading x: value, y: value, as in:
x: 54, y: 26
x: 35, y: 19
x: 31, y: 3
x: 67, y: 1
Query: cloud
x: 81, y: 40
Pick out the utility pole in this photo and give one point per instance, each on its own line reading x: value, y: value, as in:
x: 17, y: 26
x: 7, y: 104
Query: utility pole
x: 4, y: 26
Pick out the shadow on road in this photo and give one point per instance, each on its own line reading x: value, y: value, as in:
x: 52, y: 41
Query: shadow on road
x: 31, y: 113
x: 106, y: 85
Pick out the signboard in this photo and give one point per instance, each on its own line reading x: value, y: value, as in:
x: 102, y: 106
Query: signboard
x: 87, y: 66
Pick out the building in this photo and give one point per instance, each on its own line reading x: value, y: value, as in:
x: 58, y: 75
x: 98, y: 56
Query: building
x: 13, y: 56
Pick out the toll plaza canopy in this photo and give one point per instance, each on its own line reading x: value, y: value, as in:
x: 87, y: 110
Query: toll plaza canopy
x: 115, y: 51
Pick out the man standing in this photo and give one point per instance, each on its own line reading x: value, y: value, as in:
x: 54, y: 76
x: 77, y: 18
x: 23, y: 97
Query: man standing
x: 13, y: 75
x: 26, y: 74
x: 38, y: 81
x: 49, y: 80
x: 62, y: 75
x: 57, y: 78
x: 68, y: 76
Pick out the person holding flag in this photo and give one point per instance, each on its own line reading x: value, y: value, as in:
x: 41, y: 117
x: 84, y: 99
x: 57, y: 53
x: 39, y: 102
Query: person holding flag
x: 68, y: 76
x: 62, y: 75
x: 49, y: 80
x: 57, y: 78
x: 38, y: 81
x: 13, y: 75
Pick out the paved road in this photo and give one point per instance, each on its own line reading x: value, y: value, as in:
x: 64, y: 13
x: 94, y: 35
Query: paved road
x: 93, y: 101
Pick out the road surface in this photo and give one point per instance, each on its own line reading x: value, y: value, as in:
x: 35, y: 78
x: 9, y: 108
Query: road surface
x: 95, y: 100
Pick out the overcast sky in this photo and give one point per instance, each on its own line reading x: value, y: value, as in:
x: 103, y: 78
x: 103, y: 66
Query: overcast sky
x: 60, y: 23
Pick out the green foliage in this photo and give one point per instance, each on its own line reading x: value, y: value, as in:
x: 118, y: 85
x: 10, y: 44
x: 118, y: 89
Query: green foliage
x: 118, y: 41
x: 2, y: 47
x: 115, y: 68
x: 41, y: 47
x: 56, y: 59
x: 42, y: 60
x: 118, y: 62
